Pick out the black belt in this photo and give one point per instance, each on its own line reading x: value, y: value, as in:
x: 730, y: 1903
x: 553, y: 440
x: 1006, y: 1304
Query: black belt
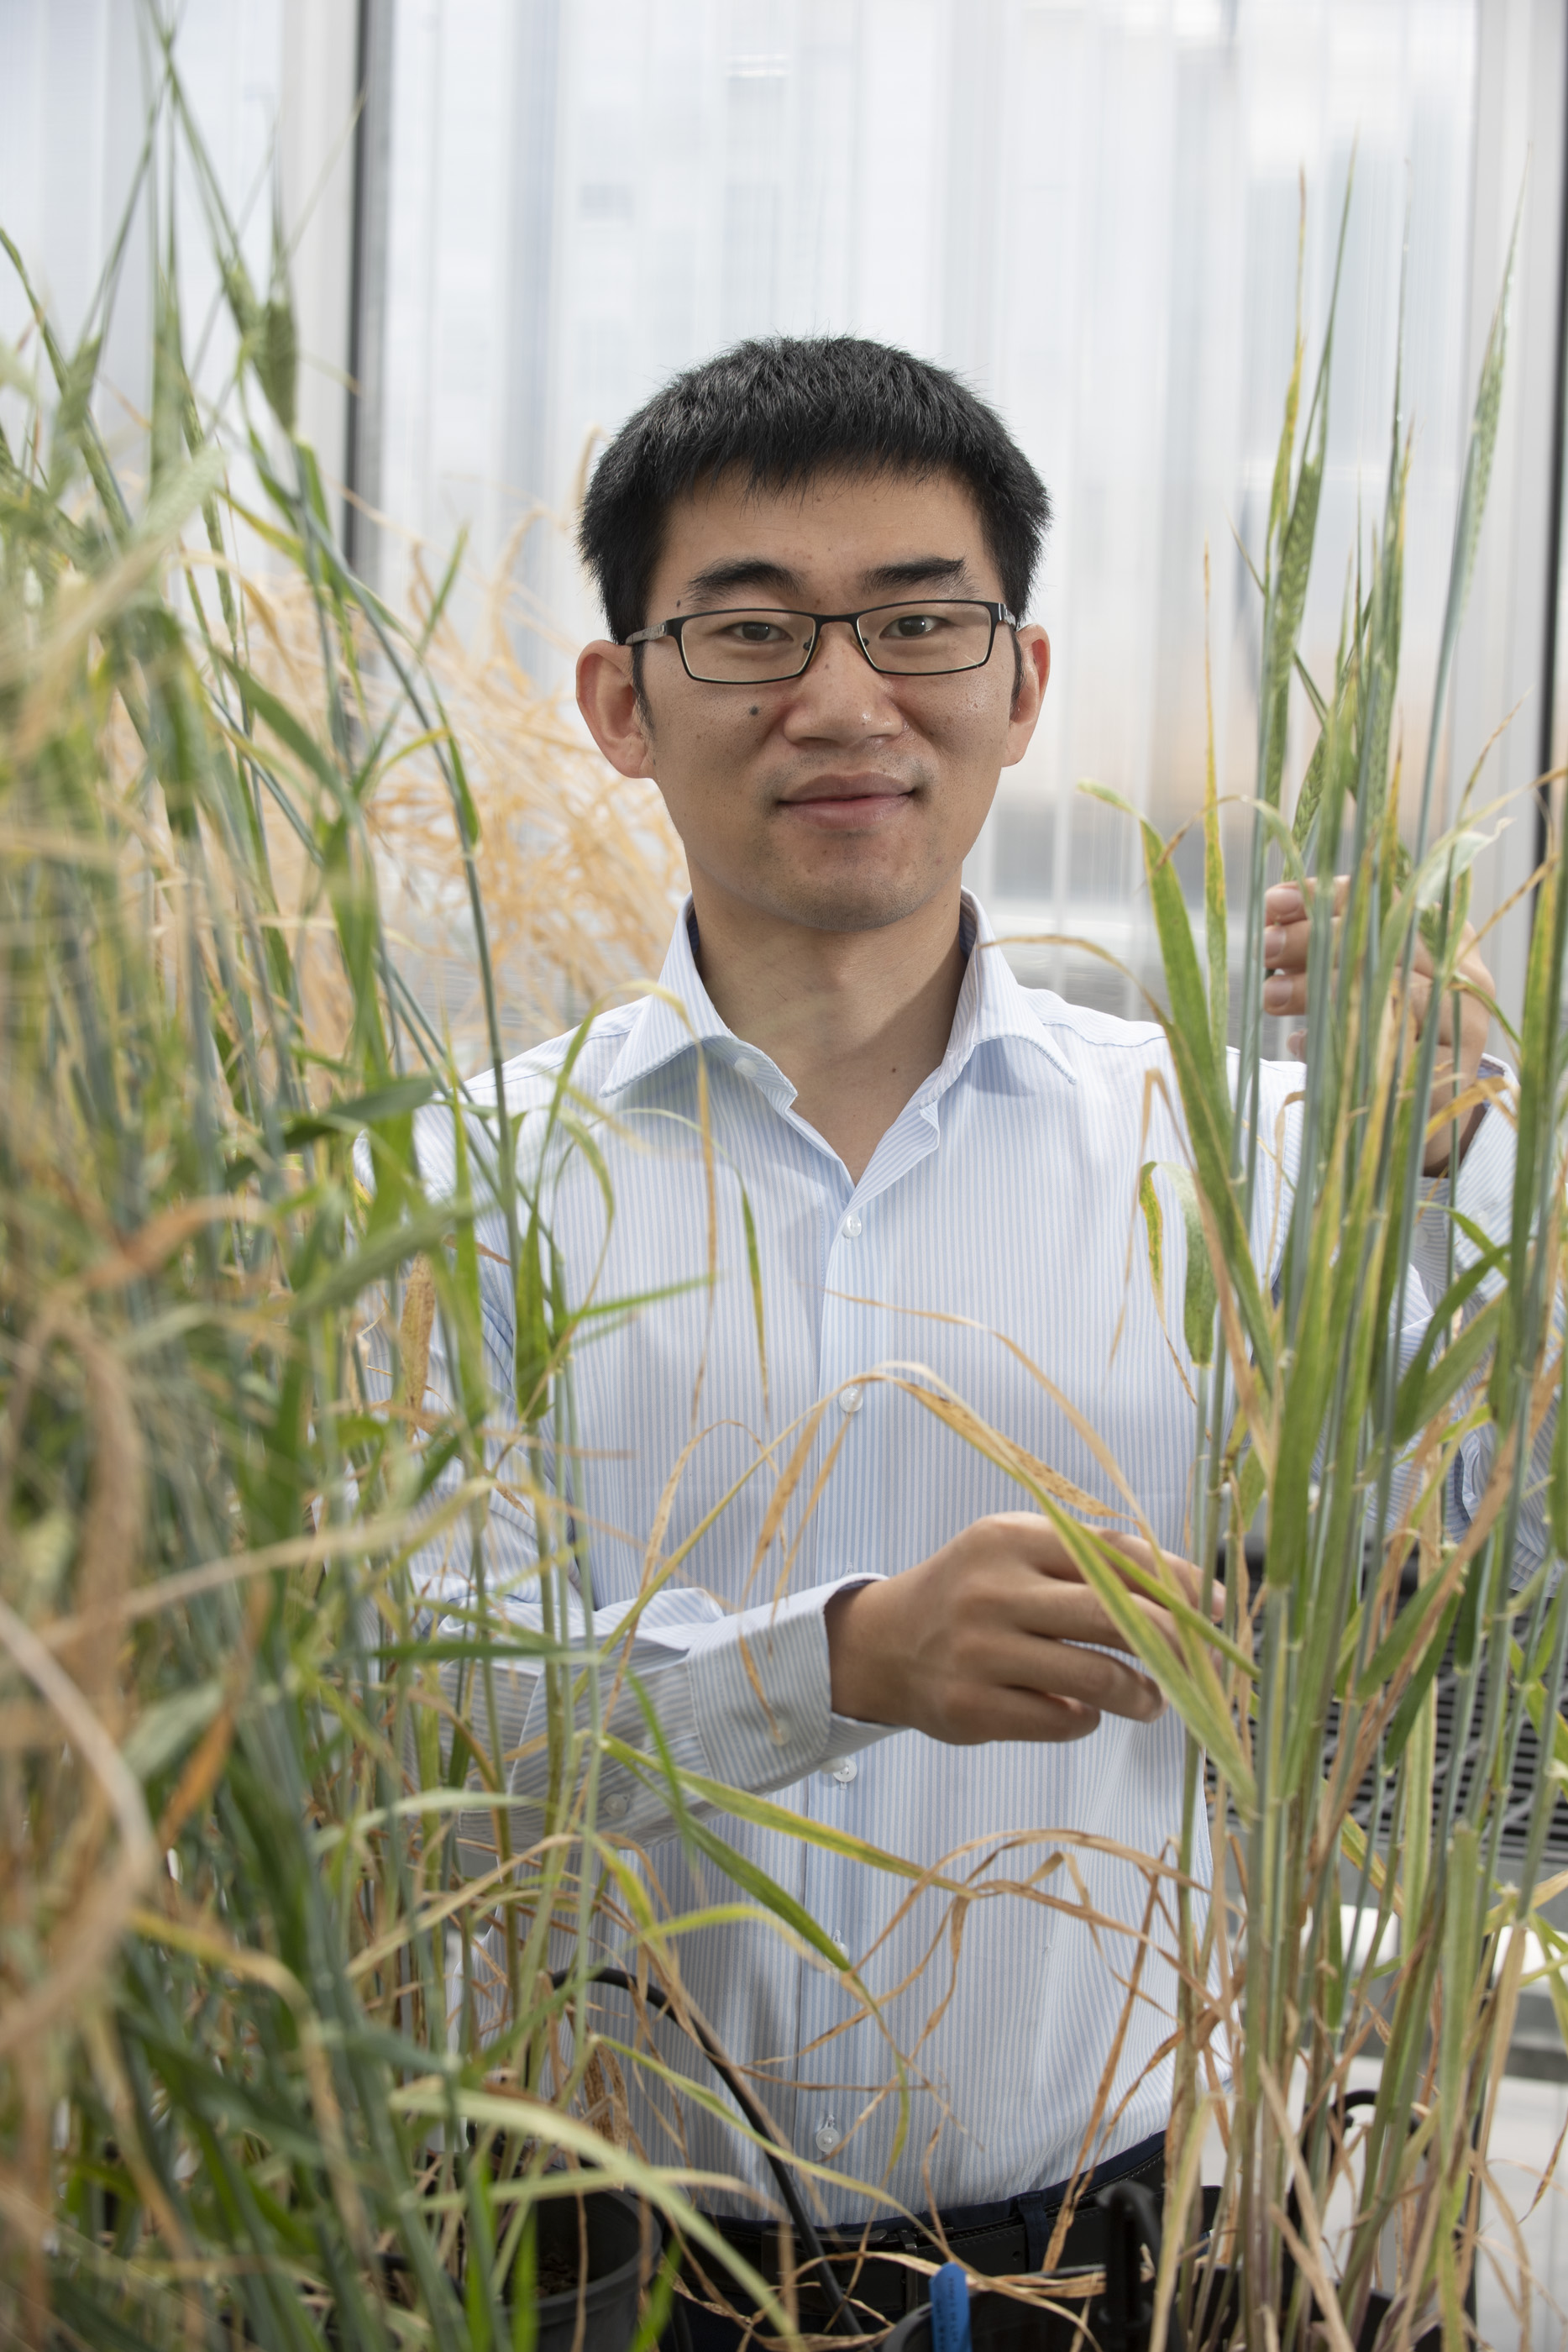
x: 1002, y: 2239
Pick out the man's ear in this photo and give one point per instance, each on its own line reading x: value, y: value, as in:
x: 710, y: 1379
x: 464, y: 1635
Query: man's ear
x: 615, y: 713
x: 1028, y: 693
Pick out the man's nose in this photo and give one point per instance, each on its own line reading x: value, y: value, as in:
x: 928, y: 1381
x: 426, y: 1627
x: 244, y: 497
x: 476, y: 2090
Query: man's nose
x: 839, y: 692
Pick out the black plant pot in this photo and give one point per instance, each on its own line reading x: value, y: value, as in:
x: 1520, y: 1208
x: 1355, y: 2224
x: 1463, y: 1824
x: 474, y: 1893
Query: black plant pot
x: 996, y: 2323
x: 611, y: 2223
x: 1120, y: 2317
x: 999, y: 2325
x: 1116, y: 2319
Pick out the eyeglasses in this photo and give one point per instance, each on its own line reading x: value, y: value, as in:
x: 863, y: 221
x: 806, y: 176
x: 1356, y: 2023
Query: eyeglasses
x: 755, y: 645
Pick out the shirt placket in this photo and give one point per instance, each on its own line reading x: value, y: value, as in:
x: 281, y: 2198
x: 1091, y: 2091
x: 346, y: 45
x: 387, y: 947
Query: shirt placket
x: 821, y: 2120
x: 861, y: 1264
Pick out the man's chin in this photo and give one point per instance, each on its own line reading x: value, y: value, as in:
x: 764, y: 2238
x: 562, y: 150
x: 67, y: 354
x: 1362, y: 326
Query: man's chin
x: 852, y: 902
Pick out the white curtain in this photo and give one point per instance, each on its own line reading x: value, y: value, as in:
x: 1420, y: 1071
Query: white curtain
x: 271, y: 84
x: 1092, y: 210
x: 1089, y: 207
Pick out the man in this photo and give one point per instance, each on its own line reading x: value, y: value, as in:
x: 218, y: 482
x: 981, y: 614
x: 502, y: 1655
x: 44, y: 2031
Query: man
x: 816, y: 560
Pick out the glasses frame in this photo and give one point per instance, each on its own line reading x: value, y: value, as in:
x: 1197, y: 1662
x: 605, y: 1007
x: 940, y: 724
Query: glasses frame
x: 998, y: 614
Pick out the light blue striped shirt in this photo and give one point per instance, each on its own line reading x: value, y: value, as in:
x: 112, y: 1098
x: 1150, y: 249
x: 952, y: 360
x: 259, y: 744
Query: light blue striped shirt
x: 999, y: 1203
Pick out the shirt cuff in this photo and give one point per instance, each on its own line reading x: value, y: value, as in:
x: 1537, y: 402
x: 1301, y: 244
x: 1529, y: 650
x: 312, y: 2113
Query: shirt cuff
x: 766, y: 1741
x: 847, y: 1734
x: 691, y: 1664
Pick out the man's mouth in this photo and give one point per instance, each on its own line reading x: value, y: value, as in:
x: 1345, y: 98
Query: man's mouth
x: 845, y: 802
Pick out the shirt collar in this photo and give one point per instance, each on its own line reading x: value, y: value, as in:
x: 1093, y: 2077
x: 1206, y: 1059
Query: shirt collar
x: 679, y: 1013
x: 676, y: 1015
x: 992, y: 1005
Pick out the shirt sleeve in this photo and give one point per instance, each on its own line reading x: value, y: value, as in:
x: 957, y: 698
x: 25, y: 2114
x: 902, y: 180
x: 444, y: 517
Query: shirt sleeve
x: 1481, y: 1190
x: 741, y: 1698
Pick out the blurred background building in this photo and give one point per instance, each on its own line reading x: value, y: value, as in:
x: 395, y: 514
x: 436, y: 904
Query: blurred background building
x: 1090, y: 208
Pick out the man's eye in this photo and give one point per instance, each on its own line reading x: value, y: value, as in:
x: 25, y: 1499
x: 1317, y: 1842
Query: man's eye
x: 756, y: 633
x: 914, y: 624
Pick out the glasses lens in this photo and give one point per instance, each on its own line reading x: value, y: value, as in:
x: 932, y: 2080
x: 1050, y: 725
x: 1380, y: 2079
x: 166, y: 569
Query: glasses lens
x: 745, y: 645
x: 932, y: 635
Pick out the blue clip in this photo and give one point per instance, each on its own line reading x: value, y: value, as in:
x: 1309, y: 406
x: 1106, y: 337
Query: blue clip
x: 950, y: 2309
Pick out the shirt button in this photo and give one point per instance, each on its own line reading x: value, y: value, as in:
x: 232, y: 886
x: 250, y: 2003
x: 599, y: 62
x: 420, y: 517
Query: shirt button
x: 783, y: 1730
x: 839, y: 1944
x: 826, y: 2137
x: 844, y: 1769
x: 748, y: 1066
x: 851, y: 1227
x: 614, y: 1807
x: 851, y: 1399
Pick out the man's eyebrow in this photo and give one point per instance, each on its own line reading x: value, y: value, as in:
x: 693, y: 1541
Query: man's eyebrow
x: 757, y: 571
x: 919, y: 572
x: 740, y: 571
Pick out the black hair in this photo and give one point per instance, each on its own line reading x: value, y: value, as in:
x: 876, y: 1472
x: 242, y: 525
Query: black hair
x: 783, y: 411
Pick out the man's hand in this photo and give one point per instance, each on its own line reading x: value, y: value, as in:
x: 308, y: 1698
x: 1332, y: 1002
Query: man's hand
x: 983, y: 1641
x: 1285, y: 940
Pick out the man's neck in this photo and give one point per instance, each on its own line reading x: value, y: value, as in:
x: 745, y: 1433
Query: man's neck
x: 856, y: 1020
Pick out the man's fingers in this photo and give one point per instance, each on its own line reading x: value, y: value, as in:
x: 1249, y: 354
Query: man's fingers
x: 998, y: 1637
x: 1287, y: 923
x: 983, y: 1713
x: 1070, y: 1612
x: 1063, y: 1670
x: 1287, y: 935
x: 1460, y: 1042
x: 1286, y: 992
x: 1188, y: 1574
x: 1031, y: 1538
x: 1046, y: 1610
x: 1287, y: 902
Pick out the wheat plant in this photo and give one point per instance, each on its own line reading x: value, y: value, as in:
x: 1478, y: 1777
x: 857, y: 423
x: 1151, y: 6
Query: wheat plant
x: 281, y: 2061
x: 242, y: 2098
x: 1367, y: 1906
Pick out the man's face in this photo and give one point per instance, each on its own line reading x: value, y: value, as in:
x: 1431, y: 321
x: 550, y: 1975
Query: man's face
x: 843, y: 799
